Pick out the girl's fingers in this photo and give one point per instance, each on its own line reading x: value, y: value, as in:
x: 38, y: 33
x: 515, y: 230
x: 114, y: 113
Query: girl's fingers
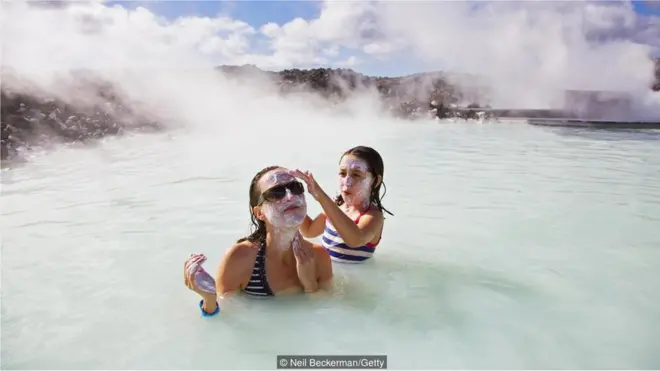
x: 299, y: 174
x: 306, y: 176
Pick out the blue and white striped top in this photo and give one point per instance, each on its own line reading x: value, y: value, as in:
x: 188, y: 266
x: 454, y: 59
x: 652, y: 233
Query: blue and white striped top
x: 339, y: 251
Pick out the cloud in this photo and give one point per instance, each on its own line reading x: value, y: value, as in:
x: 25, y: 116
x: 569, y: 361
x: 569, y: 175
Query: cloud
x: 349, y: 62
x: 528, y: 50
x: 382, y: 48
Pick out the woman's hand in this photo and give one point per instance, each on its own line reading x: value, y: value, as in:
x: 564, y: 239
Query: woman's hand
x: 312, y: 186
x: 305, y: 264
x: 197, y: 279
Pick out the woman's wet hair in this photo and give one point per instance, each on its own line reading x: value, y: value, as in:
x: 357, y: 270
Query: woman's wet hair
x: 376, y: 167
x: 258, y: 234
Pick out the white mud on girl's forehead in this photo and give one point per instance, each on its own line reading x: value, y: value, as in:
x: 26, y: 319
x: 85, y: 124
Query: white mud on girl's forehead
x: 351, y: 163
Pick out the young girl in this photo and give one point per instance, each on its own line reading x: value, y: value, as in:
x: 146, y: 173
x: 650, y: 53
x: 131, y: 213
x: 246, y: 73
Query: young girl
x: 352, y: 223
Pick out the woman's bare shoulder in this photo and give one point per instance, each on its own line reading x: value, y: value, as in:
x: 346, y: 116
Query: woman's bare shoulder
x: 242, y: 250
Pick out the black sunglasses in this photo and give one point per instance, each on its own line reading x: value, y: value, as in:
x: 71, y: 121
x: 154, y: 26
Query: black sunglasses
x: 278, y: 192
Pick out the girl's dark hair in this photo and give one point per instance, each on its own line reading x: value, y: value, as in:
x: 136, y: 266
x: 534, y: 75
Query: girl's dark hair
x: 259, y: 226
x: 376, y: 168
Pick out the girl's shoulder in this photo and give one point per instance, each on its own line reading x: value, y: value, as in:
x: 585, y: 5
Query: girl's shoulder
x: 373, y: 211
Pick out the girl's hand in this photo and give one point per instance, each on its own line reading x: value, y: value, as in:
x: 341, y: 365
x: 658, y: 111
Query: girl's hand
x: 197, y: 279
x: 312, y: 186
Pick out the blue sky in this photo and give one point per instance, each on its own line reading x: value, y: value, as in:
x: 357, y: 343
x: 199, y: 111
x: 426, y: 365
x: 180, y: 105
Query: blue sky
x: 258, y: 13
x: 647, y: 7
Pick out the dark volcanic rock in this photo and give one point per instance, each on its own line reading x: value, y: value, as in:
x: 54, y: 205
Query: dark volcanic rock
x: 36, y: 119
x: 406, y: 96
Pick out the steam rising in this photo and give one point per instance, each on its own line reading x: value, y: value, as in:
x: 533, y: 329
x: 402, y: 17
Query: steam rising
x: 527, y: 53
x: 530, y: 52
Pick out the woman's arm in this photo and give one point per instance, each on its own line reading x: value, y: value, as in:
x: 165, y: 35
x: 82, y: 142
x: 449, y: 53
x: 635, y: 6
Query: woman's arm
x: 235, y: 269
x: 323, y: 267
x: 324, y: 272
x: 231, y: 275
x: 197, y: 279
x: 312, y: 228
x: 313, y: 265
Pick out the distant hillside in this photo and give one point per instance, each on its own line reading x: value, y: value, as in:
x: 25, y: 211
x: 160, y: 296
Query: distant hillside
x: 40, y: 118
x: 400, y: 94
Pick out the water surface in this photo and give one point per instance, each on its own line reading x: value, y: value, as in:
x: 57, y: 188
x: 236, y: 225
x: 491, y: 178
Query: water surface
x: 511, y: 247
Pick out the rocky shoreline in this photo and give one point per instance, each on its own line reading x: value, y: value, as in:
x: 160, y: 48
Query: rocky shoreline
x: 40, y: 119
x: 33, y: 120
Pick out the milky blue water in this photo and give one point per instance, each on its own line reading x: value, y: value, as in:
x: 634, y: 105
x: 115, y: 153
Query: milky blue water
x: 511, y: 247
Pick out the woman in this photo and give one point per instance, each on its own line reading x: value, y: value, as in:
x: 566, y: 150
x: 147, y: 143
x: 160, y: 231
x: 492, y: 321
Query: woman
x: 352, y: 223
x: 274, y: 259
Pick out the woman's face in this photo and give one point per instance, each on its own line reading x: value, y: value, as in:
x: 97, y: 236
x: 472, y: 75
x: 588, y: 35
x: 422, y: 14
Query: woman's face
x: 284, y: 203
x: 355, y: 180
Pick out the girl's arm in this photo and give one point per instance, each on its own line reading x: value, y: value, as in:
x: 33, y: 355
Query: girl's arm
x: 354, y: 235
x: 312, y: 228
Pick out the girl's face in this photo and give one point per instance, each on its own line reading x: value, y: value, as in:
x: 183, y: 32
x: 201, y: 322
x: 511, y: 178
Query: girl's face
x: 355, y: 180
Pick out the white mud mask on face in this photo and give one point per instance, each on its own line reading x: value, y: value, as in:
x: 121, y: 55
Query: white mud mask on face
x: 288, y: 212
x: 277, y: 177
x: 360, y: 187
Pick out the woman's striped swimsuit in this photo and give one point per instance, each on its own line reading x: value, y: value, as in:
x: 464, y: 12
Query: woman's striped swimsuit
x: 258, y: 284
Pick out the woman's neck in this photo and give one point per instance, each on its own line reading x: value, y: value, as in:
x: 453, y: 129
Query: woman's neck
x: 279, y: 241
